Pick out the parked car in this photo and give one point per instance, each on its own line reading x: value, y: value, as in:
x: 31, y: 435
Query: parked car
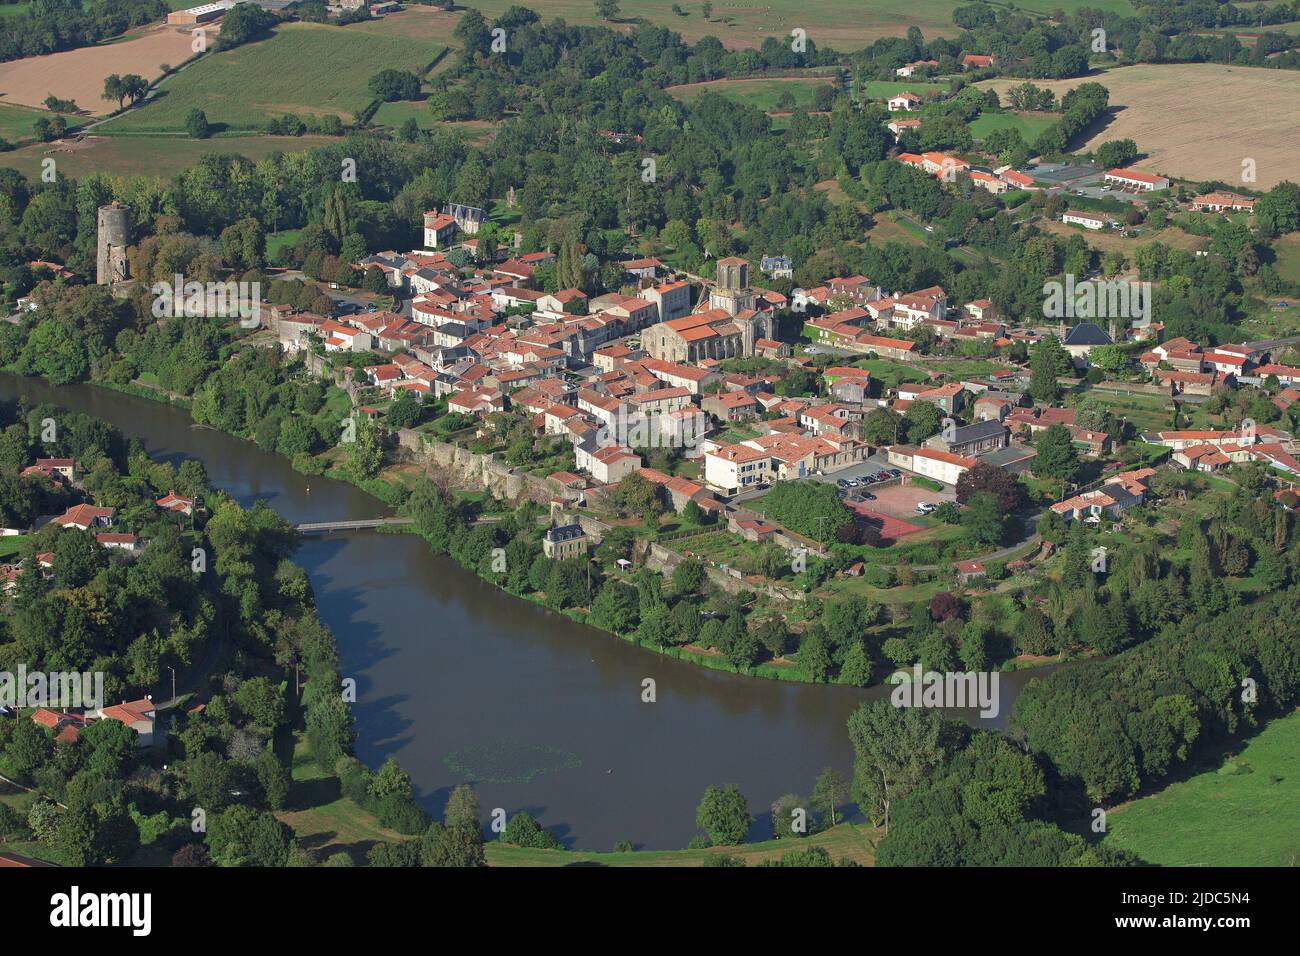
x: 869, y: 496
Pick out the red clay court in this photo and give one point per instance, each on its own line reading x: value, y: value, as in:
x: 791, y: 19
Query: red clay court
x: 889, y: 527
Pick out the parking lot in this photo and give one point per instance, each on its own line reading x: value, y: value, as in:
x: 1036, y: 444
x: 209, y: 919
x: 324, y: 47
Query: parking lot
x: 890, y: 497
x: 901, y: 500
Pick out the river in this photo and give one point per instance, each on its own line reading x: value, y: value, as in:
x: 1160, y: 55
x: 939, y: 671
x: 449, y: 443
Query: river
x: 461, y: 682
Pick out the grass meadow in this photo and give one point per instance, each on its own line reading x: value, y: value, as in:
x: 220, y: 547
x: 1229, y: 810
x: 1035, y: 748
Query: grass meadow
x: 303, y: 68
x: 1240, y: 813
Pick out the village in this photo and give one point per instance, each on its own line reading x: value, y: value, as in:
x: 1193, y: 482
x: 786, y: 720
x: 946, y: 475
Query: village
x: 686, y: 384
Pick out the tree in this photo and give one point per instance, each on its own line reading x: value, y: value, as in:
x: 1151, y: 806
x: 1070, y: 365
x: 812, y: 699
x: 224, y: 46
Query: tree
x: 1057, y: 457
x: 810, y: 508
x: 523, y: 830
x: 196, y: 124
x: 984, y: 519
x: 459, y: 845
x: 241, y: 836
x: 113, y: 89
x: 607, y: 9
x: 244, y: 22
x: 923, y: 420
x: 1115, y: 152
x: 688, y: 576
x: 1048, y: 362
x: 882, y: 427
x: 274, y: 779
x: 615, y: 608
x: 724, y: 815
x: 789, y: 817
x: 1001, y: 484
x: 895, y: 749
x: 830, y: 791
x: 856, y: 669
x: 366, y: 455
x: 391, y: 85
x: 462, y: 807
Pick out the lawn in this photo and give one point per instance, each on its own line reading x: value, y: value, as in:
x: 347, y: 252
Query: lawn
x: 884, y: 89
x: 846, y: 841
x: 299, y: 69
x: 1240, y: 813
x: 1029, y: 124
x: 888, y: 229
x: 281, y: 240
x: 1146, y: 412
x: 10, y: 545
x: 1288, y: 258
x: 322, y: 818
x: 891, y: 373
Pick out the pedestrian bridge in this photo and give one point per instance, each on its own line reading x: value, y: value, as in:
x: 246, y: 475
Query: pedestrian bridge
x: 360, y: 524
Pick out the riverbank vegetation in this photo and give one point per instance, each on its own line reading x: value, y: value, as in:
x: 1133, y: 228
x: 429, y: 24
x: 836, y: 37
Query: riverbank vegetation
x: 206, y: 594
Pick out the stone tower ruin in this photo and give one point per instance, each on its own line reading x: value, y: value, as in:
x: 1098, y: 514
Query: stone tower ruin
x: 113, y: 237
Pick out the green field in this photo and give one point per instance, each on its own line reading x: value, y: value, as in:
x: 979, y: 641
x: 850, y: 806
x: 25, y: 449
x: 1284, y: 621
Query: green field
x: 154, y: 155
x: 281, y: 240
x: 394, y: 115
x: 830, y: 23
x: 1288, y: 258
x: 884, y: 89
x: 16, y: 121
x: 303, y: 68
x: 1030, y: 126
x: 1242, y: 813
x: 761, y: 94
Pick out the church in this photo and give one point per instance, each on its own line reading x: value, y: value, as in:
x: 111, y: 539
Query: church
x: 728, y: 328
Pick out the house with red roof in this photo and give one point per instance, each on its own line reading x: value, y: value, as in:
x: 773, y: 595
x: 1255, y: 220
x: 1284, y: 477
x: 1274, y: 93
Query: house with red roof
x: 1134, y: 180
x: 177, y: 503
x: 84, y: 517
x: 140, y: 715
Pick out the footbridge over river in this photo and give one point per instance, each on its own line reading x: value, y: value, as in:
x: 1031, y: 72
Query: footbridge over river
x: 360, y: 524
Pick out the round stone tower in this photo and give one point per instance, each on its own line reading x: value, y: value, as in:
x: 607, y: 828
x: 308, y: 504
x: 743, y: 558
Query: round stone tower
x: 114, y: 235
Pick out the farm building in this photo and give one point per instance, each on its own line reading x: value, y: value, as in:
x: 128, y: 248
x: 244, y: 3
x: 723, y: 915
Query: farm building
x: 1136, y: 180
x: 206, y: 13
